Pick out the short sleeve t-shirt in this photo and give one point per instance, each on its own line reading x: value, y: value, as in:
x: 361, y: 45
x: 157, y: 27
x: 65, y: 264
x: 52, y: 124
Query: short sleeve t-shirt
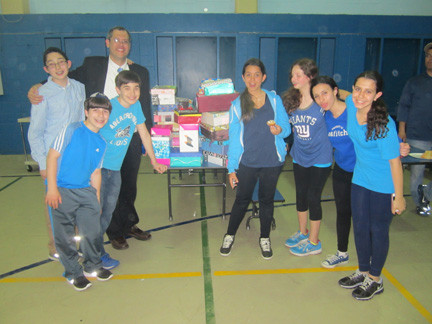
x: 118, y: 132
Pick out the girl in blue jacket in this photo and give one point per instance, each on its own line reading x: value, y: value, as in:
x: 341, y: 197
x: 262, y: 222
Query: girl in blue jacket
x: 258, y: 126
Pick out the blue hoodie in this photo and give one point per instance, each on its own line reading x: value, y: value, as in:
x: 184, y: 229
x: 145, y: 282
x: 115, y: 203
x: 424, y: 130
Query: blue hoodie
x: 236, y: 130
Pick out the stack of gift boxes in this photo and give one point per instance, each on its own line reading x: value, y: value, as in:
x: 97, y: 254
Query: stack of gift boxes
x: 214, y: 101
x: 185, y: 135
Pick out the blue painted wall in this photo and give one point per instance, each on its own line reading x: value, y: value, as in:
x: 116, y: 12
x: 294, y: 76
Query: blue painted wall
x: 341, y: 47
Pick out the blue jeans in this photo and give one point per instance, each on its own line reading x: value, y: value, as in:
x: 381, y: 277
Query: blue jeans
x: 372, y: 216
x: 417, y: 170
x: 110, y: 188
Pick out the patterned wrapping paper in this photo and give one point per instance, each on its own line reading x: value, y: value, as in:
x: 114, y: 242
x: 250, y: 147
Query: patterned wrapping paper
x: 215, y: 118
x: 161, y: 147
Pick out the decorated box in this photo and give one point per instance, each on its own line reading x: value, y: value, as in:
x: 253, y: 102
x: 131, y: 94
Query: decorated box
x: 187, y: 117
x: 165, y: 108
x: 214, y: 158
x: 161, y: 130
x: 175, y: 139
x: 215, y: 135
x: 164, y: 117
x: 214, y: 147
x: 164, y: 161
x: 215, y: 103
x: 161, y: 146
x: 163, y: 95
x: 215, y: 118
x: 185, y: 159
x: 188, y: 136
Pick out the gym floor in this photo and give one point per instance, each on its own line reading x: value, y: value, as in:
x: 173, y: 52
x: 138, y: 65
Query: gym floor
x: 179, y: 276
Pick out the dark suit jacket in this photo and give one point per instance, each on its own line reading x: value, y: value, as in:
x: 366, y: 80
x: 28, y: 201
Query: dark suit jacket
x: 92, y: 73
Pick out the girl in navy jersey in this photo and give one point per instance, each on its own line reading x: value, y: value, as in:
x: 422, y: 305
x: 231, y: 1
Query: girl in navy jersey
x: 312, y: 157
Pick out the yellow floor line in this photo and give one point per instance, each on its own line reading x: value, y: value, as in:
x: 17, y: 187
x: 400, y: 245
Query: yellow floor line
x: 116, y: 277
x: 408, y: 295
x: 280, y: 271
x: 423, y: 311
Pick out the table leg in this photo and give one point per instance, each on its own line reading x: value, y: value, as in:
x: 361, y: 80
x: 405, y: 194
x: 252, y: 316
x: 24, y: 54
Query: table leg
x: 169, y: 195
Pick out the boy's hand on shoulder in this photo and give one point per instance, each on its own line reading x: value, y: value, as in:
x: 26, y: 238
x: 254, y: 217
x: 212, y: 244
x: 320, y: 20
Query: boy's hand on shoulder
x: 33, y: 94
x: 53, y: 198
x: 161, y: 168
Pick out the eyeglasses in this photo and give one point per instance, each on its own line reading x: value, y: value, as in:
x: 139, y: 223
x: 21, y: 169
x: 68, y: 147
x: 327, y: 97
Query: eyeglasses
x: 53, y: 65
x: 121, y: 41
x: 428, y: 55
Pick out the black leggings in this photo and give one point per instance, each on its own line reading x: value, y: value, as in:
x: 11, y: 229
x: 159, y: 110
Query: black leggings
x: 309, y: 184
x: 342, y: 194
x: 248, y: 178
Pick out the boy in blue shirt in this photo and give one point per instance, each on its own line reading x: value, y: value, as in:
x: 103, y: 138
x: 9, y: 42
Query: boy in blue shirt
x: 74, y: 177
x: 62, y: 104
x: 125, y: 117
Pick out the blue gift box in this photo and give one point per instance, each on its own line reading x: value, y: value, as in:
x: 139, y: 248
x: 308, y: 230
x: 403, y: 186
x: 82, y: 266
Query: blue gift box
x: 185, y: 159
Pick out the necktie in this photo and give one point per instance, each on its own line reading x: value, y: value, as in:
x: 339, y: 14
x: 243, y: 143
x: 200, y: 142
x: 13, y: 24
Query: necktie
x: 119, y: 69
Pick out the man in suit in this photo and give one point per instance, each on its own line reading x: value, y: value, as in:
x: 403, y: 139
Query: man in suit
x: 98, y: 73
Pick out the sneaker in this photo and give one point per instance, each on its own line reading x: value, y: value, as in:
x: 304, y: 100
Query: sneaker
x: 265, y: 246
x: 80, y: 283
x: 101, y: 274
x: 306, y: 248
x: 422, y: 198
x: 109, y: 263
x: 227, y: 244
x: 296, y: 239
x: 352, y: 281
x: 423, y: 210
x: 368, y: 289
x: 54, y: 256
x: 334, y: 260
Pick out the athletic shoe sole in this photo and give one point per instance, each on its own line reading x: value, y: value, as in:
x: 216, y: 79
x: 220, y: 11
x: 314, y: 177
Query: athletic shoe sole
x: 377, y: 292
x: 300, y: 242
x: 327, y: 266
x: 307, y: 253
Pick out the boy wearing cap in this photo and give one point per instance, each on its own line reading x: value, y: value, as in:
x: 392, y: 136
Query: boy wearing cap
x: 74, y: 179
x: 62, y: 104
x: 415, y: 126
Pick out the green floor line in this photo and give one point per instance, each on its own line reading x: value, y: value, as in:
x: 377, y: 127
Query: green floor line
x: 208, y: 284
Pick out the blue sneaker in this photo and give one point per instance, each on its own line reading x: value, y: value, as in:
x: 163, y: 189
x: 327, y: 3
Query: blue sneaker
x: 335, y: 260
x: 306, y: 248
x: 296, y: 239
x: 109, y: 263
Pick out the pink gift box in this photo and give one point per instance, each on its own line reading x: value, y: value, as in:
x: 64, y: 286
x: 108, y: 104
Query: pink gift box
x: 164, y: 161
x: 161, y: 130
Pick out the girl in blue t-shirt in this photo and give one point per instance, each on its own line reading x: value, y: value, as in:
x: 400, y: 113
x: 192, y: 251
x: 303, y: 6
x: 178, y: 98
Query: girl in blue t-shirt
x: 377, y: 184
x: 312, y: 157
x: 326, y: 94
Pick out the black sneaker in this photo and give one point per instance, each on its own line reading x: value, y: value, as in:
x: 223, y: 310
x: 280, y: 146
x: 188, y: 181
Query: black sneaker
x: 101, y: 274
x: 227, y: 244
x: 424, y: 208
x: 352, y: 281
x: 422, y: 198
x: 80, y: 283
x: 265, y: 246
x: 368, y: 289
